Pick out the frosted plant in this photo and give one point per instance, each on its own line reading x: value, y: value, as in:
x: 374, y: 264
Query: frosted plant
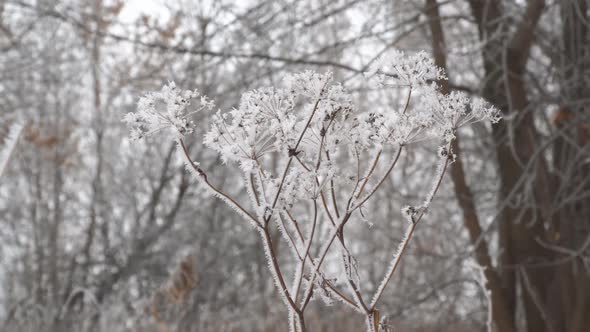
x: 167, y: 108
x: 482, y: 280
x: 397, y: 69
x: 309, y: 159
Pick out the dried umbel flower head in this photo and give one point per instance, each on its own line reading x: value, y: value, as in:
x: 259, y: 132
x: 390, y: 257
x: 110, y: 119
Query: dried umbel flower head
x: 436, y: 115
x: 169, y: 108
x: 455, y: 110
x: 264, y: 121
x: 396, y: 69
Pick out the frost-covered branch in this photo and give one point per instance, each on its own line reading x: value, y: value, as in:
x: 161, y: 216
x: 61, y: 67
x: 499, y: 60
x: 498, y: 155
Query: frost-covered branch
x: 9, y: 144
x: 413, y: 216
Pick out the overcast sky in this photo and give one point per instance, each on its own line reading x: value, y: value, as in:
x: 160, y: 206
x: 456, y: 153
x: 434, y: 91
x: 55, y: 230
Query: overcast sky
x: 135, y: 8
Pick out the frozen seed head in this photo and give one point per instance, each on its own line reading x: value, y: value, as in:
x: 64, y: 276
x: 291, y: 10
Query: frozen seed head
x: 398, y: 69
x: 169, y: 108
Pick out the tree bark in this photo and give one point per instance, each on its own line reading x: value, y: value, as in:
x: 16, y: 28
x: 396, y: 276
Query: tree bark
x: 502, y: 316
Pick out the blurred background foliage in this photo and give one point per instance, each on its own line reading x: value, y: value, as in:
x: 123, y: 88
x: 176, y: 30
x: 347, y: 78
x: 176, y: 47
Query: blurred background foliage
x: 100, y: 235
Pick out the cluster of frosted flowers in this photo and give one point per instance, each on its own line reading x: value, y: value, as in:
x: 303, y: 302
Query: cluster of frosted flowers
x: 264, y: 120
x: 272, y: 119
x: 398, y: 69
x: 449, y: 112
x: 169, y: 108
x: 312, y: 118
x: 396, y: 128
